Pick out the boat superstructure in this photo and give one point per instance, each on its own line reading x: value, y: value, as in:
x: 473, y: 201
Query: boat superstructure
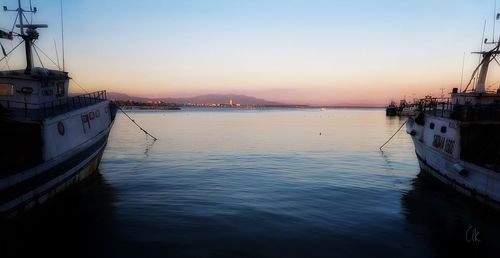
x: 50, y: 140
x: 391, y: 109
x: 458, y: 140
x: 407, y: 109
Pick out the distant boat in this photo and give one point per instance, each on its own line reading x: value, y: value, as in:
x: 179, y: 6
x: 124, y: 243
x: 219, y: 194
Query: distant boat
x: 322, y: 109
x: 391, y: 110
x: 407, y: 109
x: 49, y: 141
x: 457, y: 140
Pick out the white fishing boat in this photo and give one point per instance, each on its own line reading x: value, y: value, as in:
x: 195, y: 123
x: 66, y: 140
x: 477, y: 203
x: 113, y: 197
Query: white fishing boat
x: 458, y: 141
x: 407, y: 109
x: 50, y: 141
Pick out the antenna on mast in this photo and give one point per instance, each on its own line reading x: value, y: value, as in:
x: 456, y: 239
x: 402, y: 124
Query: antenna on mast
x: 497, y: 18
x: 494, y: 18
x: 57, y: 55
x: 483, y: 39
x: 62, y: 36
x: 462, y: 77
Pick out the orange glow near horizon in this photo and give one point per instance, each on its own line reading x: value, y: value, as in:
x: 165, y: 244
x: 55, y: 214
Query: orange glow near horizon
x: 375, y: 87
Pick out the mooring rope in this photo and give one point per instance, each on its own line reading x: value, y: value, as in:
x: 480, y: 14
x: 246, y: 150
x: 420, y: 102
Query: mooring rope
x: 133, y: 121
x: 7, y: 54
x: 392, y: 136
x: 81, y: 87
x: 119, y: 108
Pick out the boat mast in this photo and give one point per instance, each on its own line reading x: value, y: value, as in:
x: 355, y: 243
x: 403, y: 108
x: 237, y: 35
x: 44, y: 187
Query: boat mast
x: 31, y: 34
x: 488, y: 56
x: 27, y: 41
x: 480, y: 86
x: 20, y: 17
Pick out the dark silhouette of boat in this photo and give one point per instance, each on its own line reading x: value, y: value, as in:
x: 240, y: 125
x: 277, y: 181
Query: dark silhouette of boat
x: 50, y: 141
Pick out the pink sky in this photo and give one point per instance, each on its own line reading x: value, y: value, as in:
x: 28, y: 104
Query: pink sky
x: 314, y: 52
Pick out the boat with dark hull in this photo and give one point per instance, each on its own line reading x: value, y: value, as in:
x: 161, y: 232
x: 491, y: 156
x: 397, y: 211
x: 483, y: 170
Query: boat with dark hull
x: 391, y: 109
x: 50, y: 141
x: 458, y: 141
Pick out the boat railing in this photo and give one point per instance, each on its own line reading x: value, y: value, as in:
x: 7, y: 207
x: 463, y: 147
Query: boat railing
x: 40, y: 111
x: 469, y: 112
x: 464, y: 112
x: 436, y: 107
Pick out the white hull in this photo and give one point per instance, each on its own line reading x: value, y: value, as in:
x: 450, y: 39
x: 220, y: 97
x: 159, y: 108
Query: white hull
x: 71, y: 157
x: 465, y: 187
x: 443, y: 162
x: 50, y: 140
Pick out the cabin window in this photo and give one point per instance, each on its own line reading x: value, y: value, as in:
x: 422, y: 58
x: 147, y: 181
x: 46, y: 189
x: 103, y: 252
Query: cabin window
x: 443, y: 129
x: 431, y: 125
x: 6, y: 89
x: 60, y: 89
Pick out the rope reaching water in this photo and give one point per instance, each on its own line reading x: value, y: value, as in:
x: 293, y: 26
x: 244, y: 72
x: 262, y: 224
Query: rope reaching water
x: 119, y: 108
x: 392, y: 136
x: 133, y: 121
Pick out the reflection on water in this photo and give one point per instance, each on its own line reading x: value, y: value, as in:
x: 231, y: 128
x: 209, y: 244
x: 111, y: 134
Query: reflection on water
x: 76, y: 224
x: 257, y: 183
x: 451, y: 224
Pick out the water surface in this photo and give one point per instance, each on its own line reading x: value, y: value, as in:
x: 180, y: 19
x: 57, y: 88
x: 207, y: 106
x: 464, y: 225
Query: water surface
x: 258, y: 183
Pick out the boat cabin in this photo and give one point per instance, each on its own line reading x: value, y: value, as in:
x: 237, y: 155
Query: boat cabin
x: 24, y: 96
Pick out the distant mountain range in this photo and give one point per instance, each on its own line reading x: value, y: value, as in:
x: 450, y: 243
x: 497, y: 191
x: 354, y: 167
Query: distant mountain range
x: 202, y: 99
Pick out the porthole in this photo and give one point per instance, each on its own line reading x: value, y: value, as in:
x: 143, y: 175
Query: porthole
x: 60, y: 128
x: 431, y: 125
x: 443, y: 129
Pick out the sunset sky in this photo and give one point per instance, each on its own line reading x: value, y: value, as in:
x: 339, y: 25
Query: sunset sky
x: 305, y: 52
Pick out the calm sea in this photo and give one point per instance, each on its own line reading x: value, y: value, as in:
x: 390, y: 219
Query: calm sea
x: 257, y: 183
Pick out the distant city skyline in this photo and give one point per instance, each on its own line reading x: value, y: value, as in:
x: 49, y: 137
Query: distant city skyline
x: 314, y: 52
